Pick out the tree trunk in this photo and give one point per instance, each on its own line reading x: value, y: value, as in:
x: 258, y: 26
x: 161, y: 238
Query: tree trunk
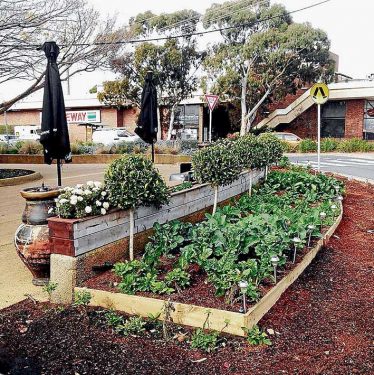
x: 243, y: 105
x: 251, y: 114
x: 215, y: 199
x: 171, y: 123
x: 131, y: 237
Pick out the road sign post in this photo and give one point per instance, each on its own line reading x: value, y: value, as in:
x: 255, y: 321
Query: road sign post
x: 212, y: 101
x: 320, y: 95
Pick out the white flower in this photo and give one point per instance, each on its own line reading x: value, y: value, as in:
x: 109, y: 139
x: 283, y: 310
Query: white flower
x: 56, y: 200
x: 96, y: 189
x: 63, y: 200
x: 80, y: 199
x: 90, y: 183
x: 103, y: 193
x: 103, y: 211
x: 88, y: 209
x: 78, y: 186
x: 78, y: 191
x: 97, y: 184
x: 50, y: 210
x: 73, y: 200
x: 106, y: 205
x: 98, y: 203
x: 87, y: 192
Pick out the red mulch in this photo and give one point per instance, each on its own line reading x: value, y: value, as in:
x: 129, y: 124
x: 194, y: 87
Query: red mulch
x: 324, y: 320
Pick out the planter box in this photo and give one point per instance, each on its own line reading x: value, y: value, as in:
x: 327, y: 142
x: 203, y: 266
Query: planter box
x: 195, y: 316
x: 90, y: 159
x: 79, y: 244
x: 75, y: 237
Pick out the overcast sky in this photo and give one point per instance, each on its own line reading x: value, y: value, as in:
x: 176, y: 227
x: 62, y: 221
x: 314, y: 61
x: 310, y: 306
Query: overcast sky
x: 348, y: 24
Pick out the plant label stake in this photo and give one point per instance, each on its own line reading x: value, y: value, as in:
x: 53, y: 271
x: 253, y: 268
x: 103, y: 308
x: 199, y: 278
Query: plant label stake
x: 320, y: 95
x: 212, y: 101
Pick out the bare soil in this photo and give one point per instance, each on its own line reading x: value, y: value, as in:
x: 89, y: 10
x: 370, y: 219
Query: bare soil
x: 323, y: 324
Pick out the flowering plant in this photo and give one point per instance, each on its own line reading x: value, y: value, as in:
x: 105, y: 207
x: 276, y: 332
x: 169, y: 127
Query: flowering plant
x: 82, y: 200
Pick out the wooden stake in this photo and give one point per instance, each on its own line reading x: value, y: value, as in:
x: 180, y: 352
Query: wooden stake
x: 215, y: 199
x: 131, y: 238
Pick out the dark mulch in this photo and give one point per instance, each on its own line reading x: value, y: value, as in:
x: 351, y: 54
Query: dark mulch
x: 9, y: 173
x: 325, y: 323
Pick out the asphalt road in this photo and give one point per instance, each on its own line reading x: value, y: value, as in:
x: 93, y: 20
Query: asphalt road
x: 354, y: 165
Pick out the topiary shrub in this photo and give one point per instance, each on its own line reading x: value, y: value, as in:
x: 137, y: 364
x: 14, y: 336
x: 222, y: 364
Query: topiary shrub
x: 218, y: 164
x: 133, y: 181
x: 247, y: 147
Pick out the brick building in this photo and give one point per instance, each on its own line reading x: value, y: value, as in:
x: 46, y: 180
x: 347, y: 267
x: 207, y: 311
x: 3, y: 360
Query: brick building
x: 349, y: 113
x: 81, y: 110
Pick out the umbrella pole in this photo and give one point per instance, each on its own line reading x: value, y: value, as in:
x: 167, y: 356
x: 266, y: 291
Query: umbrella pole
x: 58, y: 172
x: 153, y: 152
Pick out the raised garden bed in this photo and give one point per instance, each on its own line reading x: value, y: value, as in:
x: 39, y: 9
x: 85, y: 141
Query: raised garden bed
x: 193, y: 315
x: 9, y: 177
x: 190, y: 304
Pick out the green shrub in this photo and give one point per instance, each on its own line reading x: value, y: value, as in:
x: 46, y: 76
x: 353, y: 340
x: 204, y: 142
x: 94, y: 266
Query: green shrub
x: 271, y: 147
x: 308, y: 145
x: 204, y: 340
x: 247, y: 147
x: 329, y: 144
x: 355, y: 145
x: 31, y: 148
x: 218, y: 164
x: 7, y: 149
x: 133, y: 181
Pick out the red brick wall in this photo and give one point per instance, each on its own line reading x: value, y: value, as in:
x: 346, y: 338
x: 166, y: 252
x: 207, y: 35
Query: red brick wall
x: 31, y: 117
x: 354, y: 118
x: 305, y: 125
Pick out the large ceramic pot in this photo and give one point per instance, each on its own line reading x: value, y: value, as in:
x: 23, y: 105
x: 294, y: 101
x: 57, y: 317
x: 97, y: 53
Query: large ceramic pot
x: 32, y: 236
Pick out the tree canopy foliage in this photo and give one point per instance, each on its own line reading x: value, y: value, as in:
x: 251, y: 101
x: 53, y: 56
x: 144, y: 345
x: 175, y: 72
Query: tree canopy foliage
x: 263, y: 56
x: 72, y: 24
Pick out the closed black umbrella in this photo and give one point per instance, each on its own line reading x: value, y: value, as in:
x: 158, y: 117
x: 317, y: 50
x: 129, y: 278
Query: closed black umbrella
x: 54, y: 135
x: 147, y: 124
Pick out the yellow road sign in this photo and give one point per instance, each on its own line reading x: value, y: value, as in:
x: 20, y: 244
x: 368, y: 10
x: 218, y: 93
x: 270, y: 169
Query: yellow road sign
x: 319, y: 93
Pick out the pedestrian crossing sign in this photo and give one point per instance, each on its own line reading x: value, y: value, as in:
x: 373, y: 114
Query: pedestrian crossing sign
x: 319, y: 93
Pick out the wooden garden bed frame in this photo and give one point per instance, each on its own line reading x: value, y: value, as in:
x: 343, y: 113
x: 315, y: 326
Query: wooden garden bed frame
x: 195, y: 316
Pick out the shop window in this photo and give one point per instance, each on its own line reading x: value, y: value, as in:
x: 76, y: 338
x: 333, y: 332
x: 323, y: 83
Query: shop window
x: 369, y: 120
x: 333, y: 119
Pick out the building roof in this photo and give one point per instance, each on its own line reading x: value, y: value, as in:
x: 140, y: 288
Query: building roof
x: 90, y: 101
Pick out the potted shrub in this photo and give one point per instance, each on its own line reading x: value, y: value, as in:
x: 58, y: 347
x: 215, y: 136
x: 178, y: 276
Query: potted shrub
x: 133, y: 181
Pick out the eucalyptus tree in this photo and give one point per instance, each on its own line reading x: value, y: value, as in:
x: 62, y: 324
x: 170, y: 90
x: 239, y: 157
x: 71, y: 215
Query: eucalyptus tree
x: 174, y: 61
x: 72, y: 24
x: 262, y: 54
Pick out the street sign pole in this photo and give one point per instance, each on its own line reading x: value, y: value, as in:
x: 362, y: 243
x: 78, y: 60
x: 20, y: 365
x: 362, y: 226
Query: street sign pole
x: 212, y: 102
x: 210, y: 126
x: 320, y: 95
x: 319, y: 137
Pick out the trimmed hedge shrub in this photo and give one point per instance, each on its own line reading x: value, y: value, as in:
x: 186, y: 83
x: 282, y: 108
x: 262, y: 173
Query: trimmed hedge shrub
x: 218, y: 164
x: 133, y: 181
x: 308, y: 145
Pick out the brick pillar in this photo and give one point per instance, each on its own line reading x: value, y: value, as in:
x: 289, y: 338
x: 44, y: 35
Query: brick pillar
x: 354, y: 118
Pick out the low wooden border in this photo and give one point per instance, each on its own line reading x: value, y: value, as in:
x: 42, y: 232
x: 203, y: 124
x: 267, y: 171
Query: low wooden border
x: 192, y: 315
x: 91, y: 159
x: 20, y: 179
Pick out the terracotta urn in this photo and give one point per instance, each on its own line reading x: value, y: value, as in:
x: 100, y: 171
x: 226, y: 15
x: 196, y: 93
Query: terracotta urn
x: 32, y: 236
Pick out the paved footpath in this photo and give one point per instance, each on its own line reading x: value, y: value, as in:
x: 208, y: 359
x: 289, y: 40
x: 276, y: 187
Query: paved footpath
x: 15, y: 279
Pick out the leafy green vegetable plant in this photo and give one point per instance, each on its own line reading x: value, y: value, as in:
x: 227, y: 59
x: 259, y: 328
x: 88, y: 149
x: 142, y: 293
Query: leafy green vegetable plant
x: 256, y: 337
